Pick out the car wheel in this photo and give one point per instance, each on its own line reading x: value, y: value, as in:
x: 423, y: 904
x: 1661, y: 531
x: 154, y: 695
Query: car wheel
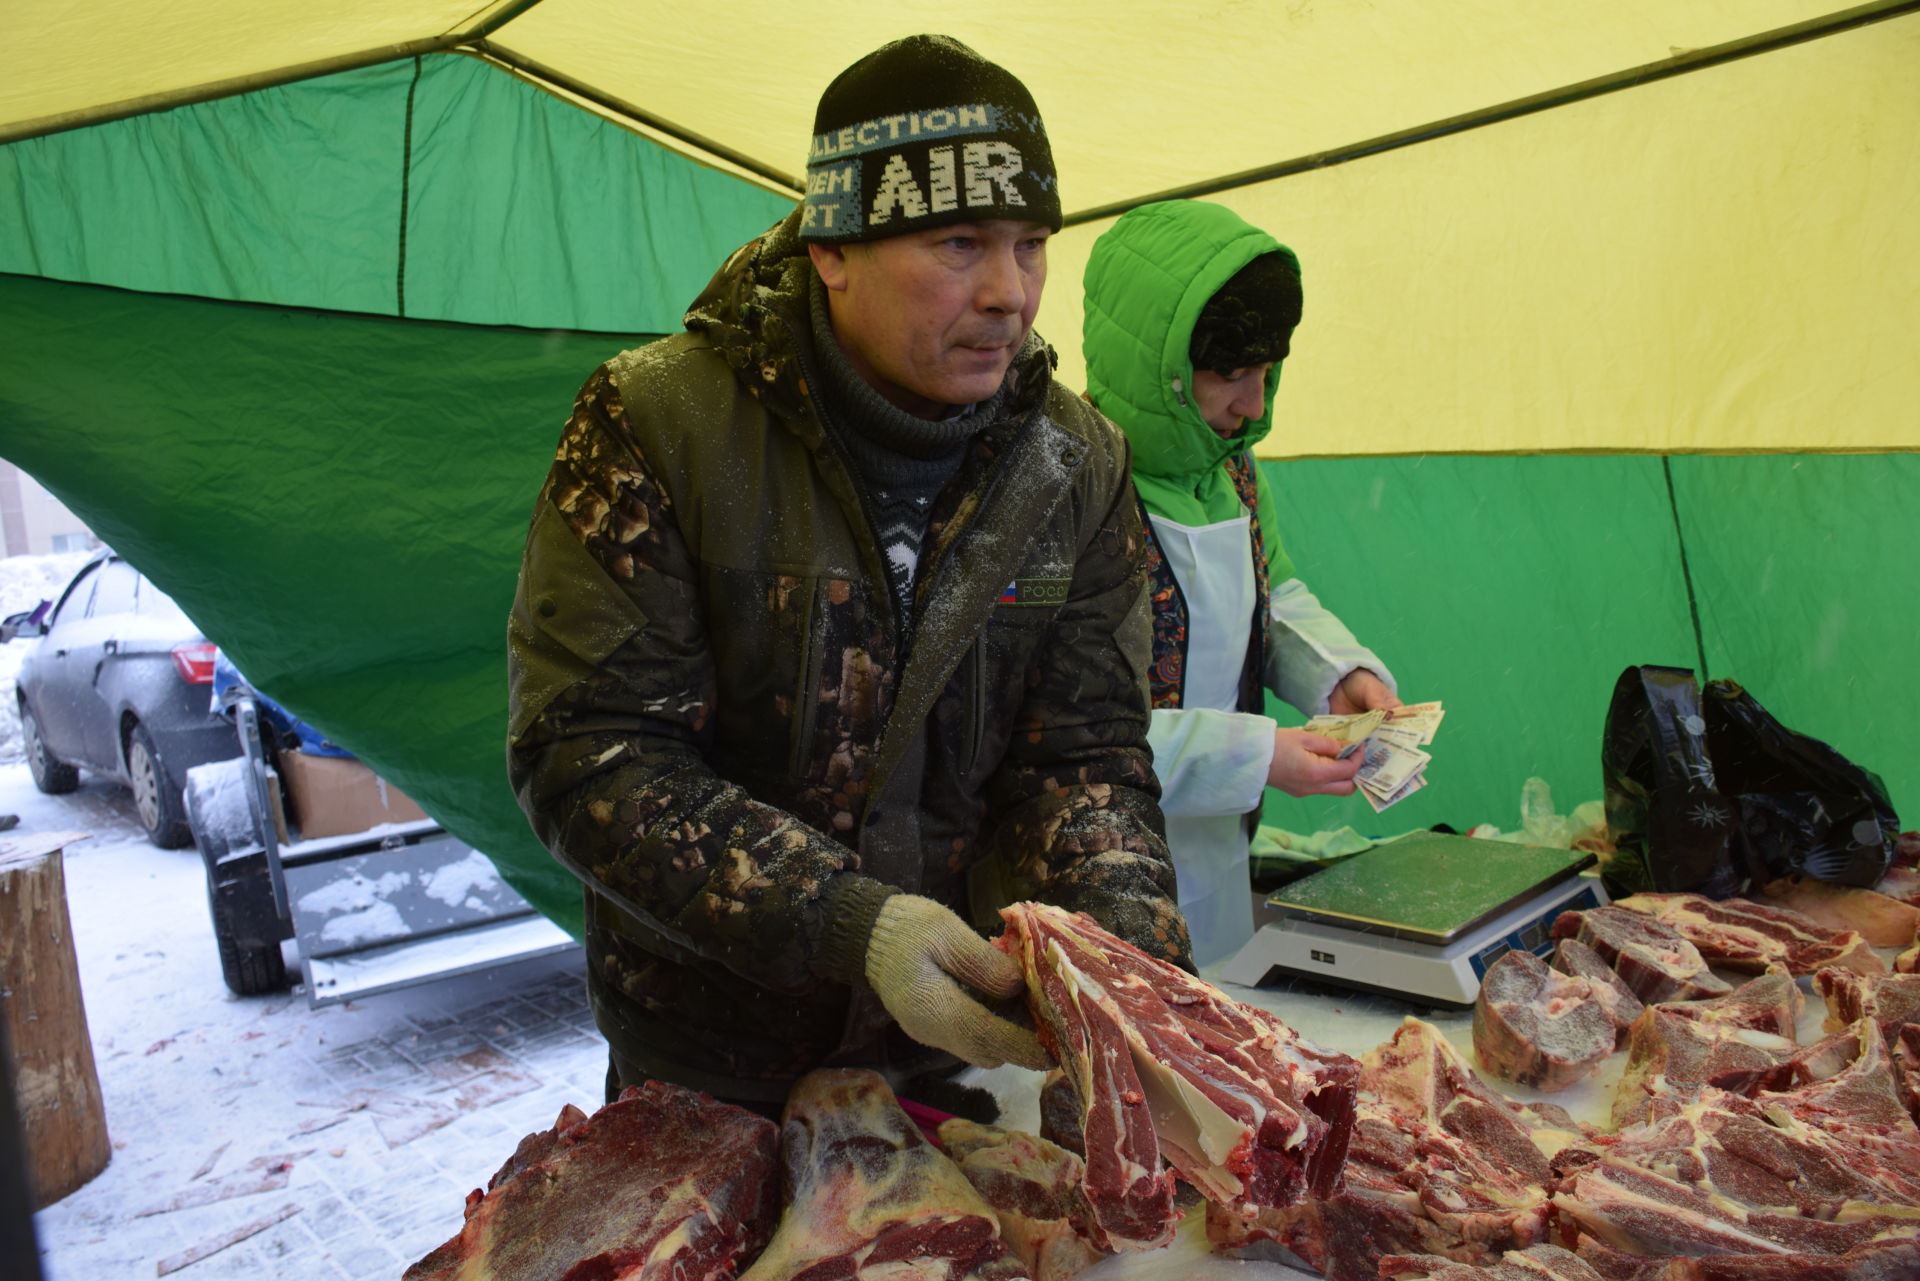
x: 251, y: 966
x: 50, y: 774
x: 162, y: 811
x: 240, y: 895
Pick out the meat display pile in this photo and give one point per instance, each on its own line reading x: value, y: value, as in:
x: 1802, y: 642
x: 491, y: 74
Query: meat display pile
x: 1165, y: 1065
x: 1439, y: 1165
x: 1734, y: 1151
x: 664, y: 1183
x: 1815, y: 1171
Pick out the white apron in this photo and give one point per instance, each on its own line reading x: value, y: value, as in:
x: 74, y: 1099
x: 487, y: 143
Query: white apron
x: 1212, y: 759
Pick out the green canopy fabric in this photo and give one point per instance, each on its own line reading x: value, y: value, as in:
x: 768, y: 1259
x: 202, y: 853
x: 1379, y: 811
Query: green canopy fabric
x: 338, y: 500
x: 434, y: 187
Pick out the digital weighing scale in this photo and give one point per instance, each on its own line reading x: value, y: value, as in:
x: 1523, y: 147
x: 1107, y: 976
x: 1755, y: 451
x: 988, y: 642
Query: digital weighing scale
x: 1422, y: 916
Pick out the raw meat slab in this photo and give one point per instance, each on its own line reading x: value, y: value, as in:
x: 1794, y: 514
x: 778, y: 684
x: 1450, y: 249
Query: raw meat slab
x: 662, y: 1185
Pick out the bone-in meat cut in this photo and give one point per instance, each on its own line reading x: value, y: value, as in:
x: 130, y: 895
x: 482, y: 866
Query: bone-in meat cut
x: 1746, y: 936
x: 1036, y: 1189
x: 1571, y: 956
x: 869, y: 1198
x: 1889, y: 1259
x: 1536, y: 1026
x: 1164, y: 1064
x: 1740, y: 1042
x: 663, y: 1185
x: 1652, y: 959
x: 1439, y: 1164
x: 1821, y: 1169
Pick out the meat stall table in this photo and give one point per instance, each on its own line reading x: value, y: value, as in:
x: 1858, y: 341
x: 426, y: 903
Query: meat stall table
x: 1350, y: 1022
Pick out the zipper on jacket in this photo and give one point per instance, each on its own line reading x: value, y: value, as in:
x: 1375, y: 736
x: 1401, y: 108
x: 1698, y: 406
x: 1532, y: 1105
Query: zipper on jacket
x: 976, y: 699
x: 806, y: 694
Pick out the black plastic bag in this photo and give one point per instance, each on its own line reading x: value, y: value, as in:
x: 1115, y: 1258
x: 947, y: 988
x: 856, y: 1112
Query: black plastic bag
x: 1707, y: 793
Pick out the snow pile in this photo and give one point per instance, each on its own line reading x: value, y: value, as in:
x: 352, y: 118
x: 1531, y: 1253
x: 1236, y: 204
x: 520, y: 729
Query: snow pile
x: 25, y: 581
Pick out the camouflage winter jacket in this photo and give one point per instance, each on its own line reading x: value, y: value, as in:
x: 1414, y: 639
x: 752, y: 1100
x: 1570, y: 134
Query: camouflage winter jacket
x: 712, y: 728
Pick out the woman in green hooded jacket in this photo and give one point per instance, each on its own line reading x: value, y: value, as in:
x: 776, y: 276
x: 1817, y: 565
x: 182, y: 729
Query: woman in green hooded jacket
x: 1189, y: 315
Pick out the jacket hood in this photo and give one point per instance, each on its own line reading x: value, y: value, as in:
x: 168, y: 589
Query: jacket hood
x: 1147, y: 279
x: 756, y: 311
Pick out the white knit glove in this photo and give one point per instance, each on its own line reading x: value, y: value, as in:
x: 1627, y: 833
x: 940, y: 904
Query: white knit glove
x: 917, y: 951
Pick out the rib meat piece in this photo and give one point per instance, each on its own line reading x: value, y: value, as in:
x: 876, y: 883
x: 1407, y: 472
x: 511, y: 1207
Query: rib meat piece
x: 1741, y: 935
x: 1535, y: 1263
x: 1908, y: 961
x: 1892, y: 1259
x: 1654, y: 961
x: 869, y: 1198
x: 1164, y: 1063
x: 662, y: 1185
x: 1821, y: 1169
x: 1536, y: 1026
x: 1571, y: 956
x: 1034, y: 1188
x: 1740, y: 1042
x: 1439, y: 1164
x: 1769, y: 1003
x: 1881, y: 920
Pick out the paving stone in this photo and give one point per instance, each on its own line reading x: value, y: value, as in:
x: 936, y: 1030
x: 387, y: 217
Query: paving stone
x: 368, y: 1258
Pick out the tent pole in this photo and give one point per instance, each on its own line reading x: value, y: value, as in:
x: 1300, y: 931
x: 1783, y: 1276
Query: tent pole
x: 1680, y: 64
x: 43, y: 125
x: 543, y: 76
x: 1686, y: 566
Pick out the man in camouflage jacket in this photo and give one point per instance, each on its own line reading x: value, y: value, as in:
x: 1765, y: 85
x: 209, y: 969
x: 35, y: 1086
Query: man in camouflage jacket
x: 772, y: 722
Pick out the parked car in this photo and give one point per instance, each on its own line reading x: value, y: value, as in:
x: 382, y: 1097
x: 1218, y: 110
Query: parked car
x: 117, y: 683
x: 302, y: 841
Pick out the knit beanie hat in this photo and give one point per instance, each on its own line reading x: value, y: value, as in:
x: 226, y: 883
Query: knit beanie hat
x: 1250, y: 319
x: 924, y: 132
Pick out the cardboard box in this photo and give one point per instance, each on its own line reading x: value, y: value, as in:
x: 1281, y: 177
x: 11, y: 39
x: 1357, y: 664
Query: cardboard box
x: 336, y: 795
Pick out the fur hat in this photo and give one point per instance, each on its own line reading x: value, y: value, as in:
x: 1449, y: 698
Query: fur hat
x: 1250, y: 319
x: 924, y: 132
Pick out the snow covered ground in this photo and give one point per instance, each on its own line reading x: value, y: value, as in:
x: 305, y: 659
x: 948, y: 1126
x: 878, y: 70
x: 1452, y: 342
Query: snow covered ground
x: 352, y: 1132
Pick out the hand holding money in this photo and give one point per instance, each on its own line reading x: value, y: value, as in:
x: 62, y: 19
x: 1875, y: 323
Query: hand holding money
x: 1388, y: 741
x: 1307, y: 764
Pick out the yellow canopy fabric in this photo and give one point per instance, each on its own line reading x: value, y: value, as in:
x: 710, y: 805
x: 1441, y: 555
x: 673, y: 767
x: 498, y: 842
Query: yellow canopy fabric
x: 1720, y: 262
x: 1716, y: 261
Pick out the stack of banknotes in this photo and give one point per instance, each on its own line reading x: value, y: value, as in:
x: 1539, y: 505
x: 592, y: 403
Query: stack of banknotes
x: 1391, y: 739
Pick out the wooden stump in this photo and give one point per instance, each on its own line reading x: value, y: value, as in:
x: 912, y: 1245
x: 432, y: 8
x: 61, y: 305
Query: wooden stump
x: 52, y: 1055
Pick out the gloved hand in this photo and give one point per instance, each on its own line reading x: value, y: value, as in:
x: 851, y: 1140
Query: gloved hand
x: 916, y: 952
